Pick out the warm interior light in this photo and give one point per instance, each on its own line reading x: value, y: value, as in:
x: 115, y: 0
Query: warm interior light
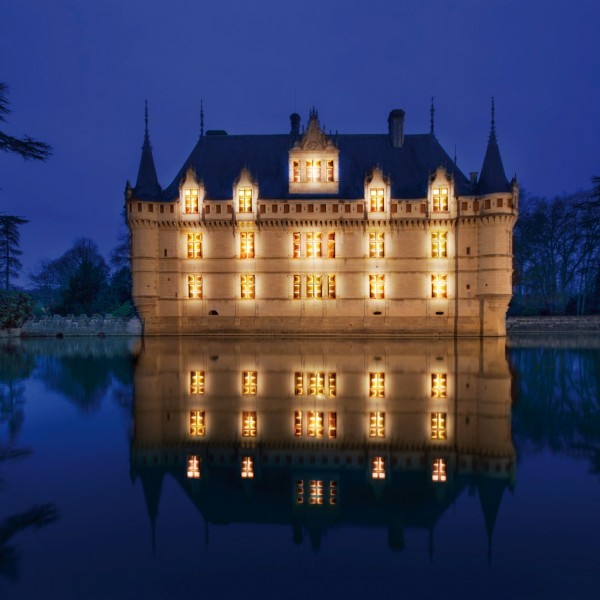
x: 314, y: 286
x: 330, y: 172
x: 247, y: 467
x: 438, y: 426
x: 376, y: 385
x: 247, y: 287
x: 315, y: 491
x: 297, y: 245
x: 376, y: 244
x: 296, y: 171
x: 333, y: 492
x: 197, y: 423
x: 193, y: 466
x: 191, y: 201
x: 440, y: 199
x: 376, y: 286
x: 331, y: 244
x: 316, y: 383
x: 194, y: 286
x: 315, y: 424
x: 332, y: 425
x: 331, y: 286
x: 249, y: 424
x: 299, y: 491
x: 297, y: 287
x: 377, y: 424
x: 298, y: 423
x: 438, y: 385
x: 247, y: 244
x: 438, y: 472
x: 378, y: 468
x: 245, y: 200
x: 249, y: 383
x: 313, y: 170
x: 376, y: 200
x: 439, y: 285
x: 332, y: 377
x: 196, y: 382
x: 194, y: 245
x: 298, y: 383
x: 439, y: 244
x: 313, y: 244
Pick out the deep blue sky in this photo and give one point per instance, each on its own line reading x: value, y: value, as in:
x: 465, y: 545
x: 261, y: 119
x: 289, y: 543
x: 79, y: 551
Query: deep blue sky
x: 80, y: 70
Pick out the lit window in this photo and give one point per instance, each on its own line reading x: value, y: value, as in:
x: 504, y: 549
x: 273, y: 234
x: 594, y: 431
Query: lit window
x: 298, y: 423
x: 313, y: 170
x: 332, y: 377
x: 247, y: 244
x: 329, y: 170
x: 376, y: 200
x: 332, y: 425
x: 333, y: 487
x: 439, y: 286
x: 297, y: 287
x: 197, y: 382
x: 197, y: 423
x: 440, y: 199
x: 315, y: 424
x: 245, y: 200
x: 191, y: 202
x: 376, y: 286
x: 193, y: 466
x: 299, y: 491
x: 438, y: 426
x: 249, y: 383
x: 377, y: 424
x: 194, y: 286
x: 438, y: 385
x: 377, y: 385
x: 314, y: 286
x: 194, y: 245
x: 247, y: 283
x: 439, y: 244
x: 438, y: 472
x: 316, y: 384
x: 376, y: 244
x: 296, y: 238
x: 331, y: 244
x: 378, y: 468
x: 298, y: 383
x: 296, y: 171
x: 313, y: 245
x: 247, y: 467
x: 331, y: 286
x: 249, y: 424
x: 315, y: 492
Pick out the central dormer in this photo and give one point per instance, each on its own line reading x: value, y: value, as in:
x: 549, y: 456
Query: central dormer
x: 314, y: 161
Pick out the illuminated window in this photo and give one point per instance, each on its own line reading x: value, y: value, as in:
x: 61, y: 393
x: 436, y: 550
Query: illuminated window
x: 313, y: 244
x: 298, y: 383
x: 245, y: 200
x: 377, y: 424
x: 297, y: 287
x: 247, y: 244
x: 197, y: 382
x: 194, y: 286
x: 377, y: 385
x: 439, y: 285
x: 298, y: 423
x: 439, y: 244
x: 315, y: 491
x: 376, y: 286
x: 438, y: 426
x: 329, y: 170
x: 333, y: 487
x: 296, y: 238
x: 376, y: 200
x: 194, y: 245
x: 315, y: 424
x: 438, y: 385
x: 314, y: 286
x: 378, y: 468
x: 316, y: 383
x: 249, y: 424
x: 332, y: 377
x: 193, y: 466
x: 191, y: 202
x: 438, y: 472
x: 247, y: 283
x: 299, y: 491
x: 440, y: 199
x: 247, y: 467
x: 331, y: 286
x: 332, y: 425
x: 313, y: 170
x: 376, y: 244
x: 331, y: 244
x: 197, y: 423
x: 296, y: 171
x: 249, y: 383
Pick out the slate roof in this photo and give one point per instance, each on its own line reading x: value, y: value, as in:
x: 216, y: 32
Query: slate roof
x: 147, y: 186
x: 493, y: 178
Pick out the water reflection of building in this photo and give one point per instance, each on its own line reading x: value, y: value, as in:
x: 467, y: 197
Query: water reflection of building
x: 315, y: 433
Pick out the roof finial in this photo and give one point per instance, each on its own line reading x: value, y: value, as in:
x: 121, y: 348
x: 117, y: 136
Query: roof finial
x: 146, y: 119
x: 201, y: 119
x: 432, y: 112
x: 493, y: 130
x: 455, y: 157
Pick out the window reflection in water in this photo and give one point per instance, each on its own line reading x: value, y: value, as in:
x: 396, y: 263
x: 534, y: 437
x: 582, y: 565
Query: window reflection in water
x: 368, y: 427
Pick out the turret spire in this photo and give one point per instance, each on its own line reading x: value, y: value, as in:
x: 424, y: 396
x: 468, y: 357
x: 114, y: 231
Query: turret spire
x: 201, y: 119
x: 147, y: 186
x: 146, y: 136
x: 432, y: 113
x: 493, y: 129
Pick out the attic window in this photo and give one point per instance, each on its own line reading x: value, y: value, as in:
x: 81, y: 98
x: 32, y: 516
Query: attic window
x: 245, y: 200
x: 376, y: 200
x: 191, y: 202
x: 313, y: 170
x: 440, y: 199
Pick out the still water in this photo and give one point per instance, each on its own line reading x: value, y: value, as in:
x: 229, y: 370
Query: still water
x: 298, y: 468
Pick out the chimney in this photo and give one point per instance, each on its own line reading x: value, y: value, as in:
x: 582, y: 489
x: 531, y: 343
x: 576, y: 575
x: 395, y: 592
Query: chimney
x: 396, y: 127
x: 295, y: 124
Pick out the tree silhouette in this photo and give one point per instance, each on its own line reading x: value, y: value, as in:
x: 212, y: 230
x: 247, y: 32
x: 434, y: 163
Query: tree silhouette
x: 10, y: 265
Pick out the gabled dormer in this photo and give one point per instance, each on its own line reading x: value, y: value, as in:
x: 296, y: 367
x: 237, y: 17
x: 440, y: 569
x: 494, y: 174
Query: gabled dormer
x: 442, y: 204
x: 245, y: 197
x: 191, y: 196
x: 314, y: 161
x: 377, y: 195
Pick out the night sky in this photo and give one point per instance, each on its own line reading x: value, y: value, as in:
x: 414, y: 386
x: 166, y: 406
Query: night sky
x: 80, y: 70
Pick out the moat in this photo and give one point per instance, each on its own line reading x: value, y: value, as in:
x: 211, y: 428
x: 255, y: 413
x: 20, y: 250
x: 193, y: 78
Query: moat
x: 281, y: 468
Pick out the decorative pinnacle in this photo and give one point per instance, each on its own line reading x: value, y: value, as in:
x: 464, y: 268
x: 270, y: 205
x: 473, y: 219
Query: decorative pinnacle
x: 493, y: 130
x: 432, y: 113
x: 455, y: 157
x: 201, y: 119
x: 146, y: 119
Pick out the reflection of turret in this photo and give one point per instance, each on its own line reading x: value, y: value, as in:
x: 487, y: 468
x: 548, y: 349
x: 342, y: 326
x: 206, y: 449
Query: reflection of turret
x: 490, y: 492
x: 321, y: 434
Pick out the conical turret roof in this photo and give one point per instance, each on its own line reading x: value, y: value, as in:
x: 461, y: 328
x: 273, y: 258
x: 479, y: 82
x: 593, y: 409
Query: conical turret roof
x: 147, y: 186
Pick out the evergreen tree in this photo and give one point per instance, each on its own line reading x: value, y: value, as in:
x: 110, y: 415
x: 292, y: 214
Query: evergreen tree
x: 10, y: 265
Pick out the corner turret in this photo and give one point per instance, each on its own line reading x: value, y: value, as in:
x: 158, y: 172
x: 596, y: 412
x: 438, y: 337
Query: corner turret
x: 147, y: 186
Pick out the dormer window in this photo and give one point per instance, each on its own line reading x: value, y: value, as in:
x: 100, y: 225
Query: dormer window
x: 313, y: 170
x: 440, y: 199
x: 245, y: 199
x: 376, y: 200
x: 330, y: 173
x: 191, y: 201
x: 296, y: 171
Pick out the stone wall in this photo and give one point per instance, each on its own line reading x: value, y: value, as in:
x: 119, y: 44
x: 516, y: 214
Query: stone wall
x: 583, y: 324
x: 96, y: 325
